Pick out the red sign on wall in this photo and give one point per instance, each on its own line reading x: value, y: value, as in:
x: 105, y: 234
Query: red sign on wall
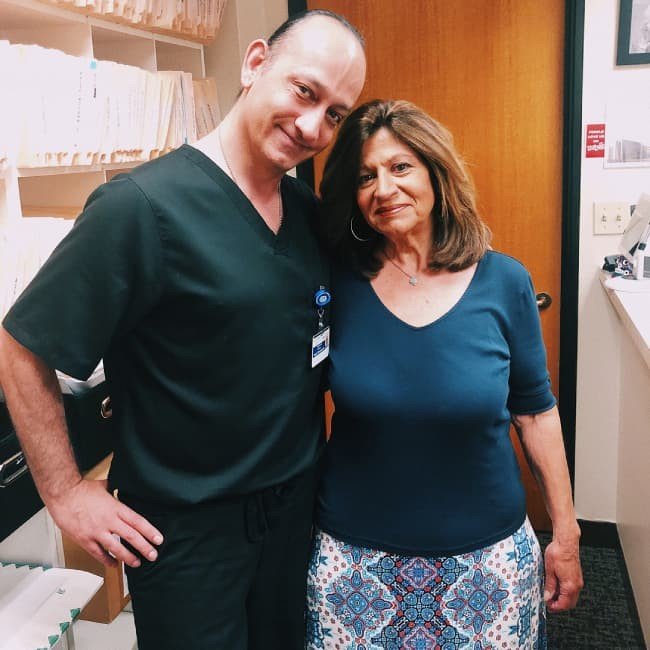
x: 595, y: 141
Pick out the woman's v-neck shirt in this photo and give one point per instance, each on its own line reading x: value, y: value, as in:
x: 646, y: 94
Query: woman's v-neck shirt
x: 420, y: 459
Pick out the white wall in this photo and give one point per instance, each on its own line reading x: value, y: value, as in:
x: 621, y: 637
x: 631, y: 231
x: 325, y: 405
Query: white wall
x: 599, y: 331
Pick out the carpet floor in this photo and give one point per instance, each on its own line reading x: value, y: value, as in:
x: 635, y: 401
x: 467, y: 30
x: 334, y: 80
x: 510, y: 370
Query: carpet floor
x: 606, y: 617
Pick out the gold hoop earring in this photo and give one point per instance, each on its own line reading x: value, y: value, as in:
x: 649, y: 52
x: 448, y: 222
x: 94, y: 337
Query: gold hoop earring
x: 354, y: 234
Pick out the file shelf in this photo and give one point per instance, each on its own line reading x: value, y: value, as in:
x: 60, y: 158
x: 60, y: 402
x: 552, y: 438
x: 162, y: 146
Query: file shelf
x: 62, y: 190
x: 33, y: 22
x: 57, y: 195
x: 54, y: 147
x: 30, y: 192
x: 68, y: 10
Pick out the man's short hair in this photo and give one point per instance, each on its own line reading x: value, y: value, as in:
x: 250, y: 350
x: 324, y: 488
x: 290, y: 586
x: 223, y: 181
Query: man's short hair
x: 281, y: 33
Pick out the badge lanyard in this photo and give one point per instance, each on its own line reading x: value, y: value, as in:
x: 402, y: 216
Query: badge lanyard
x: 320, y: 342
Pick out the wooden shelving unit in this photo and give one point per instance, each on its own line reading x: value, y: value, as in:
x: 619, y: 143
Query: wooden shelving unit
x: 62, y: 191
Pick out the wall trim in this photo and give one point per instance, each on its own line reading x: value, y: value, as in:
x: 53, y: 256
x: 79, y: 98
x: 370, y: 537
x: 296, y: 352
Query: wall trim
x: 603, y: 534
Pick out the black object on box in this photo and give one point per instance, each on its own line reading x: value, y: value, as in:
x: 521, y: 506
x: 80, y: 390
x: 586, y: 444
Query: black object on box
x: 89, y: 425
x: 19, y: 500
x: 91, y: 434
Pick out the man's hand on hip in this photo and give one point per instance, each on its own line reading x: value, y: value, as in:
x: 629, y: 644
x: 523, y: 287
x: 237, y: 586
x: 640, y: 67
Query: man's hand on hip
x: 98, y: 522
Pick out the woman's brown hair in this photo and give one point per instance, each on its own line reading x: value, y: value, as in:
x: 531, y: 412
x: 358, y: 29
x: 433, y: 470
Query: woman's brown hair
x: 460, y: 237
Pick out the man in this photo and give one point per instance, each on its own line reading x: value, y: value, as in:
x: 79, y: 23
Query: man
x: 194, y: 278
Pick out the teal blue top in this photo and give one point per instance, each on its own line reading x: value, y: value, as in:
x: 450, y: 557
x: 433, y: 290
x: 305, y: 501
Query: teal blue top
x: 420, y: 461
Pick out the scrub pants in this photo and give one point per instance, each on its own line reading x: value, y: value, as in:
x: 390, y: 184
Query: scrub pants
x: 230, y: 574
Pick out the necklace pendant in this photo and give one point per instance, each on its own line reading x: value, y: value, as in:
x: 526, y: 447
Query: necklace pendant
x: 413, y: 280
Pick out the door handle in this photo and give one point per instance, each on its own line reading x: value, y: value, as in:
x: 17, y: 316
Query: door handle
x: 12, y: 468
x: 543, y: 301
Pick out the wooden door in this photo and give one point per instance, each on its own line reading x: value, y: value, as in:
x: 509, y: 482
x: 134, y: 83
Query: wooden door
x: 492, y: 72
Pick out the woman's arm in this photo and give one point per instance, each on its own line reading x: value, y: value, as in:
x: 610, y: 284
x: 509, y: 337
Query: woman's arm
x: 541, y: 438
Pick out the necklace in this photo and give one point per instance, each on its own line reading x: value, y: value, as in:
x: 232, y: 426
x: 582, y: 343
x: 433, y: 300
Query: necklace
x: 413, y: 279
x: 232, y: 175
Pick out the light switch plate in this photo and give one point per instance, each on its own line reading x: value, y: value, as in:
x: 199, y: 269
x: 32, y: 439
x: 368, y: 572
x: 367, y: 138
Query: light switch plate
x: 611, y: 218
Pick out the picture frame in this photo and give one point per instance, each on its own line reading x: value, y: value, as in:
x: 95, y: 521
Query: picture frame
x: 633, y: 42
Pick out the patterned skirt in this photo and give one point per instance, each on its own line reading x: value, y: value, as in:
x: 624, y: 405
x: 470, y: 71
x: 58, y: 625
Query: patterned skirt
x: 489, y: 599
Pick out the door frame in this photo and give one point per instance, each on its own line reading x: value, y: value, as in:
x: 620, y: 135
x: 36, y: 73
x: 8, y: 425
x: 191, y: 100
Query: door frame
x: 574, y: 21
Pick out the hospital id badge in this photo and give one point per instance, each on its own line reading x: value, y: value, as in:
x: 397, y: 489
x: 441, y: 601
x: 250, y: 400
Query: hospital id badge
x: 320, y: 346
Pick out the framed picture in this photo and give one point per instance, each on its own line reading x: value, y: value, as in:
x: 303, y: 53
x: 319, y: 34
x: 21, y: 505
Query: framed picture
x: 633, y: 45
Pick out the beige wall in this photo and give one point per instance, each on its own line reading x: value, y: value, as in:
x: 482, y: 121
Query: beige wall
x: 243, y: 21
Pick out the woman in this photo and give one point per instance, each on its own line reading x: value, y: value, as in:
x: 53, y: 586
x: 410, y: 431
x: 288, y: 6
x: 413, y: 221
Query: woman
x: 422, y: 536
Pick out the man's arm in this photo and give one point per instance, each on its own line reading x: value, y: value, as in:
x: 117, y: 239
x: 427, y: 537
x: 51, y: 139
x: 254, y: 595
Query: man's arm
x: 83, y: 509
x: 541, y: 438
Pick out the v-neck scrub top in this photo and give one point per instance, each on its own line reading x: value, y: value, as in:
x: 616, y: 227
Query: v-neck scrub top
x: 420, y: 460
x: 204, y: 318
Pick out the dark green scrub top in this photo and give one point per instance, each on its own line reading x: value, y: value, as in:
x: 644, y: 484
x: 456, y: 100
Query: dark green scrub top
x: 204, y: 318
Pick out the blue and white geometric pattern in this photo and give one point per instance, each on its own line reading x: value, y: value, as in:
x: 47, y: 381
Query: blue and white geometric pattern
x: 358, y: 602
x: 522, y: 629
x: 488, y: 599
x: 523, y: 551
x: 478, y: 600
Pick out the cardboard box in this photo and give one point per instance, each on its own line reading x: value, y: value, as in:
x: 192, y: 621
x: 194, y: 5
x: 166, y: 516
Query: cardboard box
x: 110, y: 600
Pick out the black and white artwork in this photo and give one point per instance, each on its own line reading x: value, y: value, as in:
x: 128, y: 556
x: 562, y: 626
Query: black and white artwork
x: 633, y: 47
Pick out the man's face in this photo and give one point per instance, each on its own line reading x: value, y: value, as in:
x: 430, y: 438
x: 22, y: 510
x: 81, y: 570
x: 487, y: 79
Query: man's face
x: 296, y: 100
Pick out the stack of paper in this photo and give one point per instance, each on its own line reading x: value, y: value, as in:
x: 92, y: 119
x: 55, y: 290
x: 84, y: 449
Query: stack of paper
x: 181, y: 127
x: 206, y: 106
x: 66, y: 110
x: 197, y: 18
x: 38, y: 605
x: 9, y: 106
x: 25, y: 245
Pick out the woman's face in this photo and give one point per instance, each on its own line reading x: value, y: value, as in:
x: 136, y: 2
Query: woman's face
x: 394, y: 190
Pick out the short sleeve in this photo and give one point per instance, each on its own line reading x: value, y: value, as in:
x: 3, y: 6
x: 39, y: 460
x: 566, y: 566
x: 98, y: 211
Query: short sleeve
x: 97, y: 283
x: 530, y: 385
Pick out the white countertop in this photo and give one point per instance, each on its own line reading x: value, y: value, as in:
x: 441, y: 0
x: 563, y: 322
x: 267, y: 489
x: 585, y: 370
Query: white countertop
x: 631, y: 299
